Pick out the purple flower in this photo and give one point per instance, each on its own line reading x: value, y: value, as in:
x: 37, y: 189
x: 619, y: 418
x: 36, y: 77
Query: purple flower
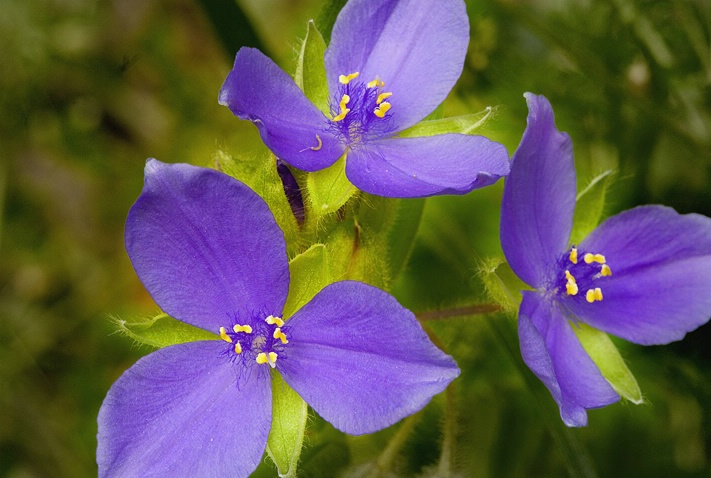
x: 389, y: 64
x: 208, y: 250
x: 643, y: 275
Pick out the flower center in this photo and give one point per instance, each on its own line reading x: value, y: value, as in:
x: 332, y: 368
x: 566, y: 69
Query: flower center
x: 261, y: 341
x: 576, y: 276
x: 360, y: 109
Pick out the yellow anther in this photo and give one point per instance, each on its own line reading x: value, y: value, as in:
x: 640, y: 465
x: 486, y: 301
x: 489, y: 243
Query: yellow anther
x: 605, y: 271
x: 590, y: 258
x: 382, y: 97
x: 342, y: 105
x: 345, y: 79
x: 224, y: 336
x: 382, y: 109
x: 270, y: 358
x: 238, y: 348
x: 571, y: 287
x: 271, y: 320
x: 242, y: 328
x: 278, y: 334
x: 593, y: 294
x: 319, y: 145
x: 573, y: 255
x: 376, y: 82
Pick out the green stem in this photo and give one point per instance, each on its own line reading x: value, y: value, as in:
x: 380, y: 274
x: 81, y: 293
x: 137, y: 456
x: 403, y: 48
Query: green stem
x: 386, y: 459
x: 458, y: 312
x: 446, y: 459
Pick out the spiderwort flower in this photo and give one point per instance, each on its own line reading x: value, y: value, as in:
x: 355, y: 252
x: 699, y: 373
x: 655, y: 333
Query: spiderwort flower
x: 209, y: 252
x: 389, y: 64
x: 643, y: 275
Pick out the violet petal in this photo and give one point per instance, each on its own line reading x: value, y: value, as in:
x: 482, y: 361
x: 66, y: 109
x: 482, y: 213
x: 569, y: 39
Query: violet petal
x: 553, y: 352
x: 426, y: 166
x: 290, y: 125
x: 661, y: 275
x: 417, y: 47
x: 539, y: 196
x: 205, y: 246
x: 361, y: 360
x: 178, y: 412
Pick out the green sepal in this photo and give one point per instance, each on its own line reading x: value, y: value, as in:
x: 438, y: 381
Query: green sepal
x: 161, y: 331
x: 590, y: 204
x: 309, y: 274
x: 286, y: 437
x: 603, y: 352
x: 356, y: 241
x: 501, y: 283
x: 310, y: 72
x: 329, y: 189
x: 465, y: 124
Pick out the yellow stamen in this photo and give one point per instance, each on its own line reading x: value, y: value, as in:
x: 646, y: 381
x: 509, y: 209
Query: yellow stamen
x: 573, y: 255
x: 342, y: 105
x: 593, y: 294
x: 345, y: 79
x: 224, y: 336
x: 382, y: 109
x: 238, y: 348
x: 590, y: 258
x: 571, y: 287
x: 376, y: 82
x: 382, y: 97
x: 278, y: 334
x: 605, y: 271
x: 271, y: 320
x: 247, y: 329
x: 263, y: 358
x: 319, y: 145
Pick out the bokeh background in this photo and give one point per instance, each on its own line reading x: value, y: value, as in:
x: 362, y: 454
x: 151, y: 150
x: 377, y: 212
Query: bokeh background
x: 90, y: 89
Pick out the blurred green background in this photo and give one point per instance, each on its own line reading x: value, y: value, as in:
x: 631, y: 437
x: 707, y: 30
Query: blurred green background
x: 90, y: 89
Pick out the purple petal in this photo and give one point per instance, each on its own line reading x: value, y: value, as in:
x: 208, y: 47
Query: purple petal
x: 427, y: 166
x: 361, y: 360
x: 416, y: 47
x: 539, y: 196
x: 552, y: 351
x: 660, y: 287
x: 205, y: 246
x: 179, y: 412
x: 290, y: 125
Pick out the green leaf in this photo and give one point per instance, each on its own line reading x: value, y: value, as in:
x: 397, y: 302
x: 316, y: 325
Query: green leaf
x: 286, y: 438
x: 608, y: 359
x: 162, y: 330
x: 502, y: 285
x: 327, y: 17
x: 589, y: 207
x: 329, y: 189
x: 310, y: 72
x: 465, y: 124
x: 309, y: 274
x: 231, y: 26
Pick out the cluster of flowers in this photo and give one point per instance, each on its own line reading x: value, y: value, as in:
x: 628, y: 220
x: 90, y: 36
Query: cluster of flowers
x: 210, y: 253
